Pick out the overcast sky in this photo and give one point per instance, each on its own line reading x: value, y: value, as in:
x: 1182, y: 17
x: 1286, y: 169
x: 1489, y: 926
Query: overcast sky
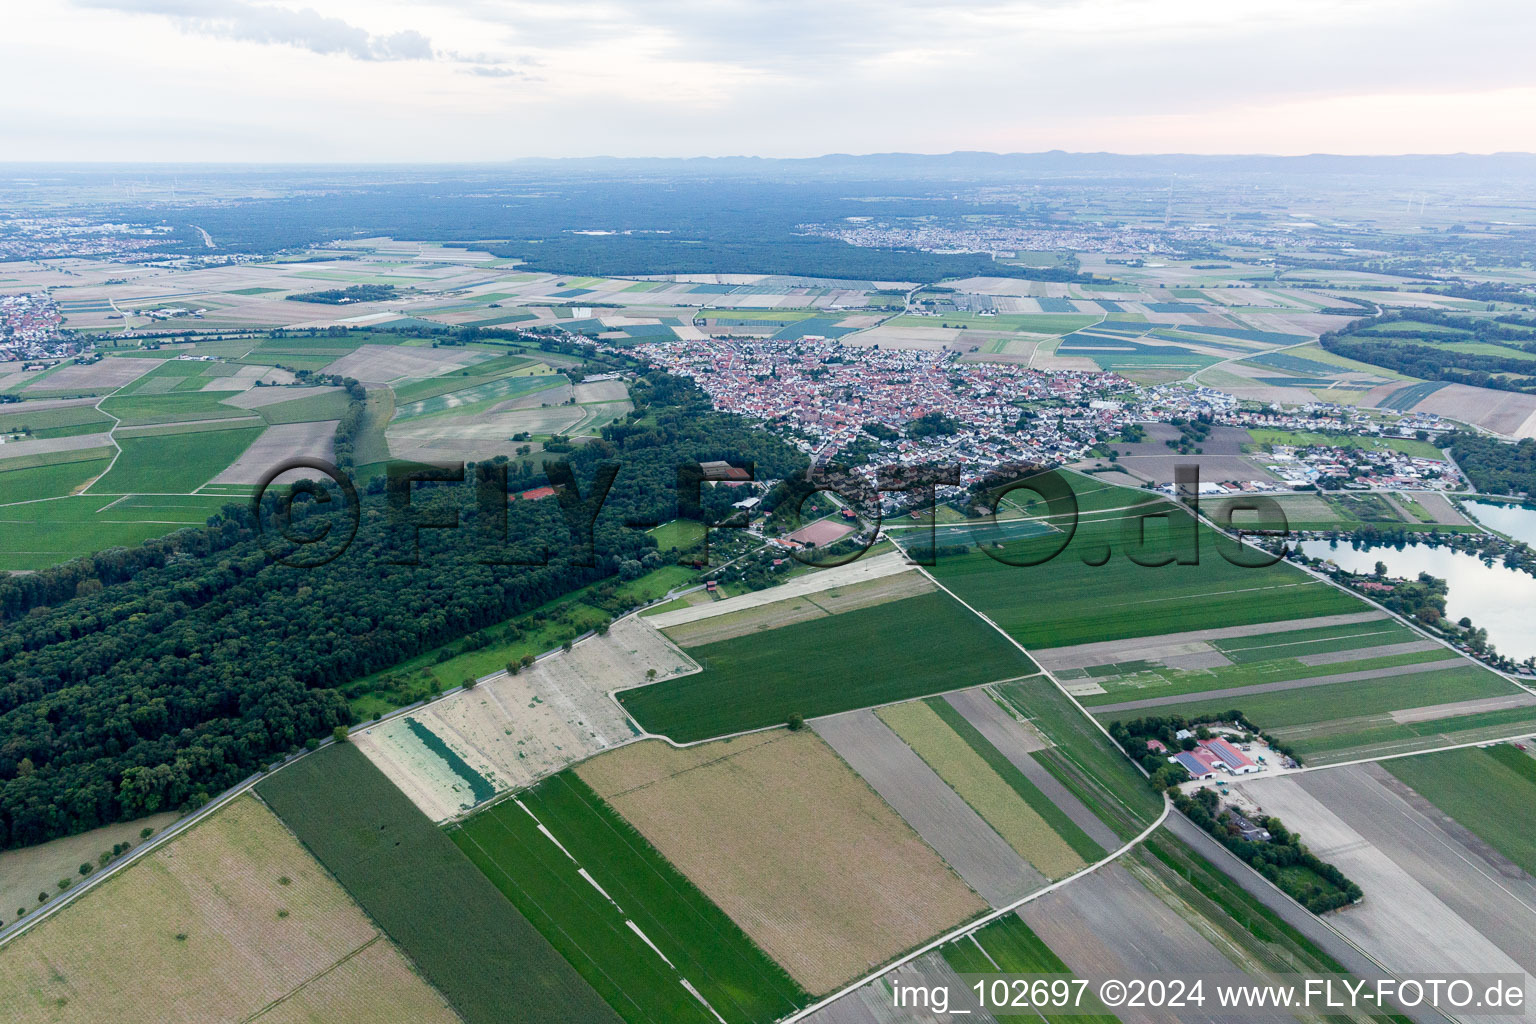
x: 456, y: 80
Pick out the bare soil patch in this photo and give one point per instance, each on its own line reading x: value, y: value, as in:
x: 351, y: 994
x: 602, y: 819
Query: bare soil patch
x: 798, y: 850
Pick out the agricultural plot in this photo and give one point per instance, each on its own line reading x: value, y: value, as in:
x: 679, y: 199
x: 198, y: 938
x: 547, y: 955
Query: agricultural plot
x: 641, y: 934
x: 1165, y: 670
x: 175, y: 463
x: 1477, y: 787
x: 100, y: 376
x: 968, y: 773
x: 37, y: 534
x: 1109, y: 924
x: 380, y: 364
x: 446, y: 916
x: 1008, y: 744
x: 261, y: 398
x: 1381, y: 713
x: 513, y: 729
x: 1092, y: 589
x: 832, y: 601
x: 796, y: 849
x: 478, y: 394
x: 234, y: 914
x: 749, y: 684
x: 54, y: 480
x: 176, y: 407
x: 28, y: 870
x: 1418, y: 879
x: 1078, y: 757
x: 986, y: 860
x: 277, y: 444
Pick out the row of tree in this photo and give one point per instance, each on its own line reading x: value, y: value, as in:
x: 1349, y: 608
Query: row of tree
x: 132, y: 683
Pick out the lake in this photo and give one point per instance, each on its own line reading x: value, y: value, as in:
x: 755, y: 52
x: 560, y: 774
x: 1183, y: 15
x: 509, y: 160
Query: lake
x: 1517, y: 521
x: 1500, y: 600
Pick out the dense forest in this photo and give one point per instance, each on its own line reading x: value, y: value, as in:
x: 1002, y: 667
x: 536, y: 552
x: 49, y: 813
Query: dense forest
x: 1493, y: 466
x: 351, y: 293
x: 682, y: 225
x: 134, y: 681
x: 1406, y: 342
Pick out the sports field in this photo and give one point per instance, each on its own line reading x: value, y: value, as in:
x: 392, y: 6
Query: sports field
x: 461, y: 932
x: 228, y: 919
x: 1066, y: 600
x: 641, y: 934
x: 799, y: 852
x: 909, y: 648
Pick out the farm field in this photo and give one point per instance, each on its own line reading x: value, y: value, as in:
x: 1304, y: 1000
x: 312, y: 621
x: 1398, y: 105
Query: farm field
x: 1000, y: 804
x: 1109, y: 923
x: 51, y: 481
x: 37, y: 534
x: 175, y: 463
x: 1158, y: 670
x: 1418, y: 879
x: 1477, y: 786
x: 29, y: 870
x: 768, y: 682
x: 513, y: 729
x: 1081, y: 759
x: 460, y: 931
x: 1008, y: 946
x: 942, y: 817
x: 791, y: 844
x: 640, y: 933
x: 232, y: 915
x: 1379, y: 716
x: 1120, y: 598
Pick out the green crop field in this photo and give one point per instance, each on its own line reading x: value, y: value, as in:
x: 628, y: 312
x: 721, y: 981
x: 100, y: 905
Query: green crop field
x: 21, y: 418
x: 1481, y: 788
x: 593, y: 929
x: 459, y: 930
x: 306, y: 408
x: 910, y: 648
x: 462, y: 401
x: 1148, y: 681
x: 37, y: 534
x: 1083, y: 759
x: 48, y: 481
x: 178, y: 406
x: 174, y: 463
x: 1009, y: 946
x: 1066, y: 601
x: 1302, y: 438
x: 1053, y: 816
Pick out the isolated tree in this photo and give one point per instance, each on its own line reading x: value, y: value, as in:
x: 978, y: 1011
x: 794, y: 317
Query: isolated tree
x: 145, y: 833
x: 86, y: 869
x: 469, y: 682
x: 1381, y: 569
x: 796, y: 722
x: 339, y: 734
x: 650, y: 674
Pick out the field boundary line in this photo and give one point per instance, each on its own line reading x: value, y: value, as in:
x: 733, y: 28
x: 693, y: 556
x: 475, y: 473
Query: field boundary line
x: 972, y: 926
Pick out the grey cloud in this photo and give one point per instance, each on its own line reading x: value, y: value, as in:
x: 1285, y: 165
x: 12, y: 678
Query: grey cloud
x: 304, y: 28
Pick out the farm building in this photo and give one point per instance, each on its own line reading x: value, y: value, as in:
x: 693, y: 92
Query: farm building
x: 1230, y: 758
x: 1199, y: 764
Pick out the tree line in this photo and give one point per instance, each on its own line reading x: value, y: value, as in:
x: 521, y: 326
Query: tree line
x: 136, y: 680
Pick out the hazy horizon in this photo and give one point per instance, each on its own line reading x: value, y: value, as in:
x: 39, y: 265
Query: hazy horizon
x: 252, y: 81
